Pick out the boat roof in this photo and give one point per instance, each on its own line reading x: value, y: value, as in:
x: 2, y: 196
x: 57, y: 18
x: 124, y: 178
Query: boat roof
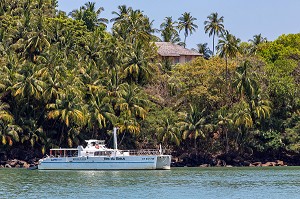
x: 96, y: 141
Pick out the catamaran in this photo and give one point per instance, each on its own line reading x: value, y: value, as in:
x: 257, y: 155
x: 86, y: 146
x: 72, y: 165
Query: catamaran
x: 96, y: 156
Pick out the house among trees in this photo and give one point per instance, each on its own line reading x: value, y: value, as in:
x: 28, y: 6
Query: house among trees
x: 174, y: 53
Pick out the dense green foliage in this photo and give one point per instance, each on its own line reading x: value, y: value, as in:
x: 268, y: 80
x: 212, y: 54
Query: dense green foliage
x: 66, y: 79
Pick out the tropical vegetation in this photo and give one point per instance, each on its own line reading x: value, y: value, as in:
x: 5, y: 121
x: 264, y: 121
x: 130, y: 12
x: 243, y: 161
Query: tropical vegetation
x: 65, y: 78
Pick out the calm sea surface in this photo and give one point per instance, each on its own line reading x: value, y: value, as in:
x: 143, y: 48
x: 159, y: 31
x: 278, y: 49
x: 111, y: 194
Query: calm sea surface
x: 188, y: 183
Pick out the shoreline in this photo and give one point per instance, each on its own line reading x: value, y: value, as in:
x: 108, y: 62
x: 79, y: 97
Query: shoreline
x: 16, y: 163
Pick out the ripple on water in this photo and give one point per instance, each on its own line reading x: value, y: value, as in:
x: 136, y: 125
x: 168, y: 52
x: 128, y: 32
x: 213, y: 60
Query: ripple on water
x: 177, y: 183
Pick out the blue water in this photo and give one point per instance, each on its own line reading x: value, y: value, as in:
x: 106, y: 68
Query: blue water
x: 188, y: 183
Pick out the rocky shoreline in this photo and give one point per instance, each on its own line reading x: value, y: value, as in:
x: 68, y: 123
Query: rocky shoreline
x: 19, y: 158
x: 228, y: 160
x: 29, y: 159
x: 221, y: 163
x: 15, y: 163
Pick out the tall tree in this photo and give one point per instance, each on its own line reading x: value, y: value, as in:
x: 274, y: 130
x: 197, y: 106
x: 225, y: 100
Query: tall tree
x: 123, y: 11
x: 214, y: 26
x: 133, y: 27
x: 168, y: 30
x: 138, y: 63
x: 248, y: 90
x: 186, y: 23
x: 168, y: 133
x: 228, y: 47
x: 68, y: 110
x: 194, y: 124
x: 244, y: 83
x: 204, y: 50
x: 131, y: 106
x: 9, y: 133
x: 100, y: 110
x: 90, y: 15
x: 257, y: 39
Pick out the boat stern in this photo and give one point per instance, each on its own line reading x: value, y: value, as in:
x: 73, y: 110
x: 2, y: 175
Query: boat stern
x: 40, y: 165
x: 163, y: 162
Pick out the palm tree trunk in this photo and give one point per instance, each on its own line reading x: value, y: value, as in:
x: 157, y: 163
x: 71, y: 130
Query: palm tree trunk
x: 214, y: 44
x: 227, y: 145
x: 226, y: 75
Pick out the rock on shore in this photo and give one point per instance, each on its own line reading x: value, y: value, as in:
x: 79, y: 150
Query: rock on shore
x: 14, y: 163
x: 19, y: 158
x: 192, y: 161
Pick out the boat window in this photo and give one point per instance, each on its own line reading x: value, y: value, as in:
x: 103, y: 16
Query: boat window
x: 101, y: 153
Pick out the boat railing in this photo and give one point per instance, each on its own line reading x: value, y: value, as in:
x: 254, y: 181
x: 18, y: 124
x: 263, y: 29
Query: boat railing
x: 64, y: 152
x: 73, y: 152
x: 143, y: 152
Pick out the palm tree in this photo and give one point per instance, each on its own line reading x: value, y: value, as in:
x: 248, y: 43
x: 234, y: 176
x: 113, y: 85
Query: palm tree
x: 168, y: 31
x: 228, y: 48
x: 32, y: 132
x: 5, y: 115
x: 168, y: 133
x: 9, y: 73
x: 257, y: 39
x: 138, y: 63
x: 214, y: 26
x: 204, y: 50
x: 52, y: 85
x: 101, y: 112
x: 9, y: 133
x: 36, y: 41
x: 224, y: 122
x: 123, y: 11
x: 68, y: 110
x: 242, y: 116
x: 89, y: 15
x: 138, y: 26
x: 186, y: 23
x: 194, y: 124
x: 28, y: 85
x: 132, y: 101
x: 243, y: 122
x: 130, y: 106
x: 244, y: 84
x: 261, y: 107
x: 77, y: 14
x: 134, y: 27
x: 249, y: 92
x: 113, y: 54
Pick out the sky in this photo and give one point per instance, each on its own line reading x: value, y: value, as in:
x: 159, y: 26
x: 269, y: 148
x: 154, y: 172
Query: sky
x: 243, y: 18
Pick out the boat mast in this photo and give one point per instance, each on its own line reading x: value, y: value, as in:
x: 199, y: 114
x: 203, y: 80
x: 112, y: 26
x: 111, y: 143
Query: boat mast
x: 115, y: 138
x: 160, y: 149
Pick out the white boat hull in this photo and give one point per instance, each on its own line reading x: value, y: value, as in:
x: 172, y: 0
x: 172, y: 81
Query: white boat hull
x: 106, y: 163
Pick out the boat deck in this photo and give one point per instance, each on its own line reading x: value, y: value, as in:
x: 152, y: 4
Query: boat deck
x: 73, y: 152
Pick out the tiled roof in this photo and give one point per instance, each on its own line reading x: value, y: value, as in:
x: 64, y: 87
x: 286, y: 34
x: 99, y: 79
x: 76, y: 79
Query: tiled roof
x: 168, y: 49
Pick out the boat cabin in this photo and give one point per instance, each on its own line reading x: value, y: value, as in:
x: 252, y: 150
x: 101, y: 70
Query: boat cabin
x: 95, y: 144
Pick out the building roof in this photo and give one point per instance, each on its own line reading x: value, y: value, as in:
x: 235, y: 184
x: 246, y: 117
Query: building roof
x: 168, y: 49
